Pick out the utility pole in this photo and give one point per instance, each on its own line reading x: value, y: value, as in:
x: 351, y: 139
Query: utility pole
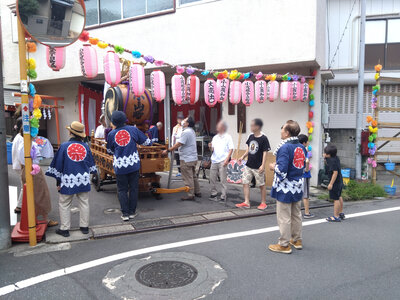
x: 360, y: 90
x: 27, y: 135
x: 5, y: 230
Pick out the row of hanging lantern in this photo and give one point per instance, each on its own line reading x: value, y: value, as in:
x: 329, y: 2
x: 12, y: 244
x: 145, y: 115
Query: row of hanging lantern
x: 184, y: 91
x: 217, y: 91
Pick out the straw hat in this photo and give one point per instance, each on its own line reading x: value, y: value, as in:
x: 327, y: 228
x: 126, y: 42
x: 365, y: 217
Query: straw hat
x: 77, y: 128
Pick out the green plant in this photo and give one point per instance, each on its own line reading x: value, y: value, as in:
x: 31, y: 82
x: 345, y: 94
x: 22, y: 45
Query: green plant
x: 27, y: 8
x: 362, y: 191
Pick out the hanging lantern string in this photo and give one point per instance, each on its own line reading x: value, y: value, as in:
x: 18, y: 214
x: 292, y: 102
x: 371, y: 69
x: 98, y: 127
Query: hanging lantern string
x: 85, y: 37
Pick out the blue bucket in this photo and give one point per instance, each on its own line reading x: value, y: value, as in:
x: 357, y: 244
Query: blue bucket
x: 390, y: 190
x: 346, y: 173
x: 389, y: 166
x: 9, y: 151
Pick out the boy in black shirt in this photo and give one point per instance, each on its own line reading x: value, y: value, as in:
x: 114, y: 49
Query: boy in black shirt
x: 335, y: 186
x: 257, y: 148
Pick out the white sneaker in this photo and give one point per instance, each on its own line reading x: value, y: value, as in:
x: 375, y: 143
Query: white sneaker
x: 132, y: 216
x: 125, y: 218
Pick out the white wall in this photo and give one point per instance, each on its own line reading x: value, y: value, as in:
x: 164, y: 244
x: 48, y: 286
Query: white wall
x: 223, y: 34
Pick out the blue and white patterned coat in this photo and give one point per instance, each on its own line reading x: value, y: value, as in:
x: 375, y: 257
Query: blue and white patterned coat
x: 288, y: 178
x: 121, y: 142
x: 72, y: 166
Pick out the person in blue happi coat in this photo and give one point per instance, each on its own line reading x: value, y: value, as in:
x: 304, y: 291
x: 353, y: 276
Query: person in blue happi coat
x: 152, y: 132
x: 71, y: 167
x: 121, y: 142
x: 287, y: 188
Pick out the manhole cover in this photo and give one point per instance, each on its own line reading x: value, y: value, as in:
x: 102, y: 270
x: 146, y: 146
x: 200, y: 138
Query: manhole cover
x: 166, y: 274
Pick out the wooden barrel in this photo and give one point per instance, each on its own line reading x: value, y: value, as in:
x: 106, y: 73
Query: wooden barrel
x: 137, y: 109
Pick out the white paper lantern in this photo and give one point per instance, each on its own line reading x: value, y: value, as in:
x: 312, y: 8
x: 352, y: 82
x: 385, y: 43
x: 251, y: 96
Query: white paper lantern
x: 210, y: 92
x: 235, y: 92
x: 286, y: 90
x: 261, y: 91
x: 178, y: 87
x: 157, y: 83
x: 272, y: 90
x: 247, y: 92
x: 222, y: 89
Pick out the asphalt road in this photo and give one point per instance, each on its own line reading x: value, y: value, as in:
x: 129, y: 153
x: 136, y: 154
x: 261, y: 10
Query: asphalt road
x: 356, y: 259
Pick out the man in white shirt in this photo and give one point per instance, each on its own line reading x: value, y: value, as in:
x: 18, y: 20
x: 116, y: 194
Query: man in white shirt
x: 99, y: 133
x: 18, y: 140
x: 222, y: 148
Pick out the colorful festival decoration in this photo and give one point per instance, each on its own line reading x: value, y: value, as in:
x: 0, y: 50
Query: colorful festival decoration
x: 210, y: 96
x: 222, y: 89
x: 192, y: 89
x: 157, y: 83
x: 88, y: 61
x: 272, y: 90
x: 137, y: 79
x: 296, y: 91
x: 247, y: 92
x: 261, y: 90
x: 178, y: 87
x: 112, y: 69
x: 55, y: 58
x: 235, y: 92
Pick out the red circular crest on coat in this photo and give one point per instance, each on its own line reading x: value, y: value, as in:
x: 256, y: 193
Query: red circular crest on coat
x: 122, y: 138
x: 299, y: 158
x: 76, y: 152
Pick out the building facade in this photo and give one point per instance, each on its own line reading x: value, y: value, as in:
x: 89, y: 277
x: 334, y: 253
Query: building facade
x: 382, y: 46
x: 255, y: 35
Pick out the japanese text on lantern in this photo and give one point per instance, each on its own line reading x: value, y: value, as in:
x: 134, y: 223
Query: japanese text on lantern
x: 211, y: 92
x: 223, y: 89
x: 248, y: 92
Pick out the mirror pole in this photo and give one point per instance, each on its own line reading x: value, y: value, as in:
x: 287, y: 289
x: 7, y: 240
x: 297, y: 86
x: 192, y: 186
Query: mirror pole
x: 27, y: 136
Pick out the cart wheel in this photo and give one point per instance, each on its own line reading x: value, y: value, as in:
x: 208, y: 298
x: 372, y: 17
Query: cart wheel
x: 156, y: 195
x: 96, y: 180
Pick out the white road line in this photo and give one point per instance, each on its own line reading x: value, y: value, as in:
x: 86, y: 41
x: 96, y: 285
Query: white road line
x: 112, y: 258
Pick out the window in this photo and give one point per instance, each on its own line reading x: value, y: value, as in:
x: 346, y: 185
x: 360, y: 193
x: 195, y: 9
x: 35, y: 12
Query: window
x: 188, y: 1
x: 104, y: 11
x: 382, y: 43
x: 92, y: 12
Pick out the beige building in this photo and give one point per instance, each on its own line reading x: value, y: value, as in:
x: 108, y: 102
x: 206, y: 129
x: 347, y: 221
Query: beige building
x: 255, y: 35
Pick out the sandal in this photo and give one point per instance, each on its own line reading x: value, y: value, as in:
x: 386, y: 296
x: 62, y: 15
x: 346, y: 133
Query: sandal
x: 342, y: 216
x: 333, y: 219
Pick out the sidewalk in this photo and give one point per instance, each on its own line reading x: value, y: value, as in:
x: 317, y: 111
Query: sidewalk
x: 154, y: 214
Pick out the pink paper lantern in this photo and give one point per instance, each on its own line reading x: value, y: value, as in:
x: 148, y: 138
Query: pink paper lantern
x: 210, y: 95
x: 137, y: 79
x: 222, y: 89
x: 112, y: 69
x: 178, y: 87
x: 296, y: 90
x: 88, y: 60
x: 55, y: 58
x: 247, y: 92
x: 192, y: 89
x: 157, y: 83
x: 272, y: 90
x: 304, y: 91
x: 261, y: 91
x: 235, y: 92
x: 286, y: 90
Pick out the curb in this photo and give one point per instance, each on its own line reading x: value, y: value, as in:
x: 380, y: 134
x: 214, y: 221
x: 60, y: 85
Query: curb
x: 113, y: 230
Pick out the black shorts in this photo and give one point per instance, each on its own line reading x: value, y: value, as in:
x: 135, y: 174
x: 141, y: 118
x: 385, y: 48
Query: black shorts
x: 335, y: 192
